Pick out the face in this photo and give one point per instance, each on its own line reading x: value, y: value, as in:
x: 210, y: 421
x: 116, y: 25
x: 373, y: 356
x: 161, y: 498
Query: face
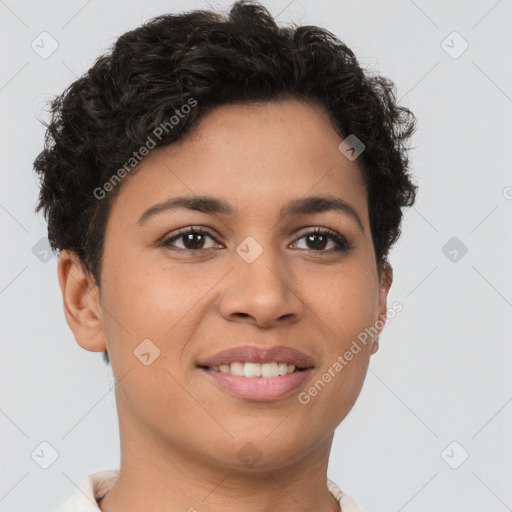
x: 255, y: 275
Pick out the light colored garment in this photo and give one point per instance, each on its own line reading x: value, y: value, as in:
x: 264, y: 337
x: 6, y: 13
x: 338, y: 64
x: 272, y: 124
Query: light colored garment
x: 97, y: 485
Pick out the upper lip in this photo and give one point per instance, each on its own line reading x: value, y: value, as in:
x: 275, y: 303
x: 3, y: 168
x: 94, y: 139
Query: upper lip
x: 254, y: 354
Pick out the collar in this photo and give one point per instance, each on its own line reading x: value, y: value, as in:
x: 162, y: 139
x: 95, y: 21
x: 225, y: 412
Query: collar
x: 97, y: 485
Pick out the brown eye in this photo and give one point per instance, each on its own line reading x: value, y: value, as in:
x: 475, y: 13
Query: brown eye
x: 317, y: 240
x: 193, y: 239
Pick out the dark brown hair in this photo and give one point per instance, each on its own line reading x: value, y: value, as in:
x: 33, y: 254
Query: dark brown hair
x: 213, y: 59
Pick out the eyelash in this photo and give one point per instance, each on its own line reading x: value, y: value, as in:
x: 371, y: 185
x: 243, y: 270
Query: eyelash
x: 341, y: 242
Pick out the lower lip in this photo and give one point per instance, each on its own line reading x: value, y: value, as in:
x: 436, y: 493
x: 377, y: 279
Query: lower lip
x: 259, y: 388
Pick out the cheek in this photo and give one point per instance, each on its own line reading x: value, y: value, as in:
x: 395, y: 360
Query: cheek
x: 149, y: 313
x: 330, y: 396
x: 164, y: 305
x: 338, y: 382
x: 345, y: 303
x: 345, y: 308
x: 145, y: 296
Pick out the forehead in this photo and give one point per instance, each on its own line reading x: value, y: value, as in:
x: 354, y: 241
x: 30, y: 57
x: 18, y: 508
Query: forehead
x: 259, y: 154
x: 289, y: 128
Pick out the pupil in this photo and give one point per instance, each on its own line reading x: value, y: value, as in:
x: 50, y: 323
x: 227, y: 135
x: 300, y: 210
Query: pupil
x: 310, y: 237
x: 190, y: 238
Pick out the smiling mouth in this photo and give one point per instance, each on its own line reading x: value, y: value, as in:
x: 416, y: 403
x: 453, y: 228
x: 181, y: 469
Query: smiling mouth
x: 257, y: 381
x: 255, y: 370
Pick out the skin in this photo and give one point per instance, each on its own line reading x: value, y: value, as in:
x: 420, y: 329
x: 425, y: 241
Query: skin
x: 180, y: 433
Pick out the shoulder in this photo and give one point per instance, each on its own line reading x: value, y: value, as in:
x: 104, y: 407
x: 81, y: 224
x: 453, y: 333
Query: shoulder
x: 347, y: 504
x: 92, y: 488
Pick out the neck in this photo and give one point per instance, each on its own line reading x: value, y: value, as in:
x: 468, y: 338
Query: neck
x: 166, y: 477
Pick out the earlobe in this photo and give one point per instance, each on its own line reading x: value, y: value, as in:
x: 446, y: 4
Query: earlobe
x: 80, y: 297
x: 386, y: 279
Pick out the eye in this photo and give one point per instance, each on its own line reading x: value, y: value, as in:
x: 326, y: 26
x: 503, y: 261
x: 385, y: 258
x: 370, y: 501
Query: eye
x: 318, y: 238
x: 192, y: 237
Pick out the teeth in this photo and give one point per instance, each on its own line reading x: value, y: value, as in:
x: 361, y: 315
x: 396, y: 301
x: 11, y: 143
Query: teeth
x: 265, y: 370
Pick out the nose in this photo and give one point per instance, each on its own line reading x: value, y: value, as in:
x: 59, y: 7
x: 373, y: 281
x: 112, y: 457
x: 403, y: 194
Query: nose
x: 261, y: 293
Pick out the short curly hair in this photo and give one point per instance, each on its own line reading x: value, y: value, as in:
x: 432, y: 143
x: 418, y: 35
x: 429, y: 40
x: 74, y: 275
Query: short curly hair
x: 100, y: 121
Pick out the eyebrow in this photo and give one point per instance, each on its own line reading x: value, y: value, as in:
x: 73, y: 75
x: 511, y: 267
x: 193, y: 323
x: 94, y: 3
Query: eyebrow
x: 212, y: 205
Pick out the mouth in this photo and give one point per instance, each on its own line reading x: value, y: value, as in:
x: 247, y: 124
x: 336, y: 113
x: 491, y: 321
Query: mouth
x: 254, y: 355
x: 258, y: 374
x: 268, y: 370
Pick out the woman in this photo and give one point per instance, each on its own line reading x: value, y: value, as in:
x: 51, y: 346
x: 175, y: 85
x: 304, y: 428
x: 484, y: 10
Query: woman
x: 224, y: 193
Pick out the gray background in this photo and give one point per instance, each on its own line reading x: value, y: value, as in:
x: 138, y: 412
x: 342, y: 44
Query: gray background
x: 442, y: 373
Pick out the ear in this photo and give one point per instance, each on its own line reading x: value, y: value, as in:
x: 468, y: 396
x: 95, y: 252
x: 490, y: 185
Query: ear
x: 385, y: 281
x: 81, y: 302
